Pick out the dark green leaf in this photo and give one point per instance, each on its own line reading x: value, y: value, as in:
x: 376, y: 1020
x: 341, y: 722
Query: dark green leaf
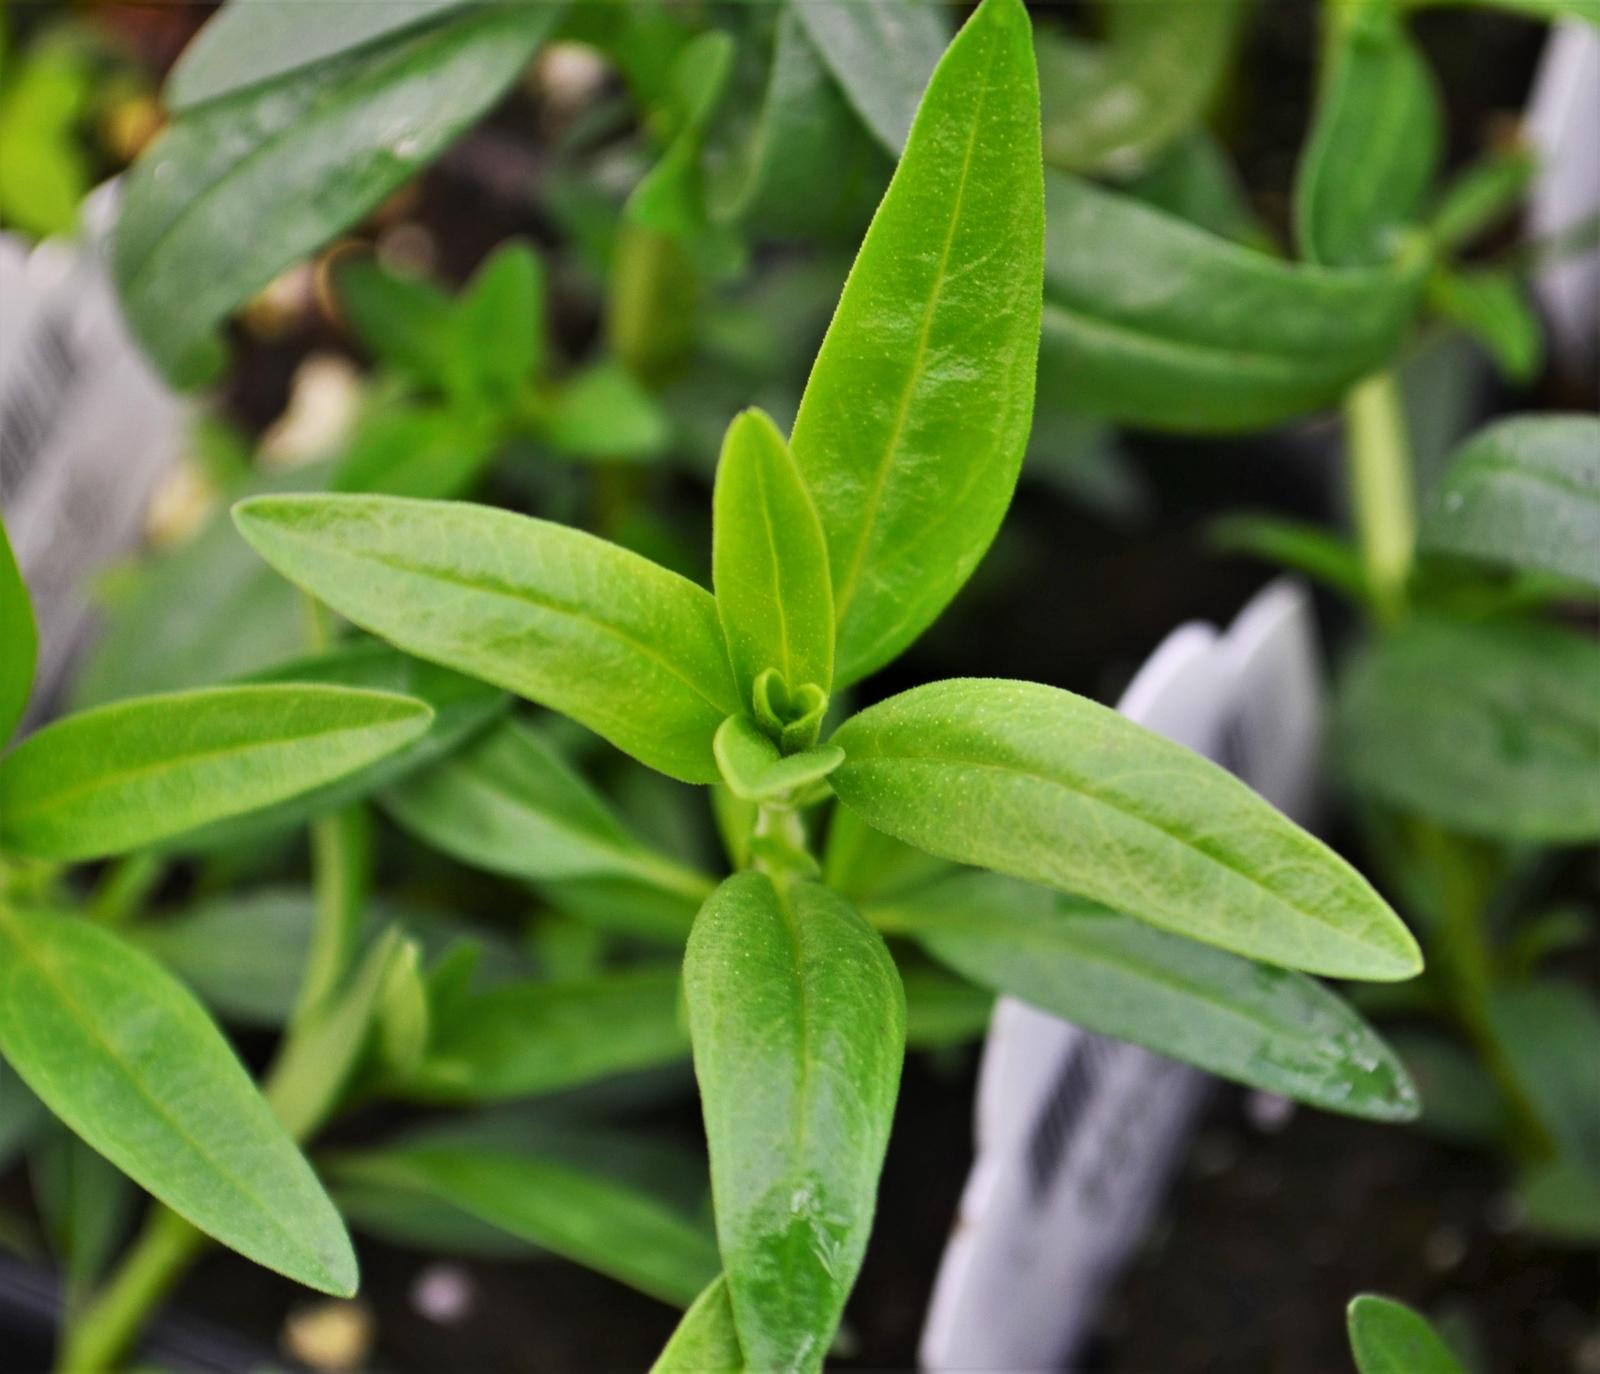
x: 916, y: 415
x: 769, y: 561
x: 1374, y: 144
x: 125, y: 776
x: 500, y: 325
x: 798, y: 1021
x: 123, y: 1054
x: 1269, y: 1028
x: 19, y: 640
x: 1301, y: 545
x: 583, y: 626
x: 1524, y: 491
x: 942, y: 1010
x: 237, y: 189
x: 407, y: 322
x: 427, y: 451
x: 1389, y: 1338
x: 1562, y: 1202
x: 527, y: 1038
x: 85, y: 1204
x: 1548, y: 1032
x: 1495, y: 308
x: 1041, y: 784
x: 594, y: 1221
x: 1488, y: 728
x: 1155, y: 322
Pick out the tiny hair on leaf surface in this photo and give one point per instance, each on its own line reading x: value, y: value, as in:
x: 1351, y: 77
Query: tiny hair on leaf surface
x: 119, y: 1050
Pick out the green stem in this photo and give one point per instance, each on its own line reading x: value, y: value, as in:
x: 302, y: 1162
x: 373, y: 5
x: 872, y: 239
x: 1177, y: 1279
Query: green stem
x: 341, y: 865
x: 1381, y: 490
x: 95, y: 1342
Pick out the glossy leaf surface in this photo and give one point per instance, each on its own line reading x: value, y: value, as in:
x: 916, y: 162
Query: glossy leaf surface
x: 1155, y: 322
x: 1266, y: 1027
x: 769, y: 561
x: 570, y: 621
x: 1524, y: 492
x: 798, y: 1022
x: 914, y: 421
x: 1041, y: 784
x: 1490, y: 729
x: 124, y: 776
x: 124, y: 1055
x: 1387, y: 1337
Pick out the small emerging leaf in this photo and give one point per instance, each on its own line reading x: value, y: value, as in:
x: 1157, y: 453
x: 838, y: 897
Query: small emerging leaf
x: 755, y: 771
x: 1387, y: 1337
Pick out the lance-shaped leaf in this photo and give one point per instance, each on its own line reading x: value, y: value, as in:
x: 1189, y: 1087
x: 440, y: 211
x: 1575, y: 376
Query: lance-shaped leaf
x: 1374, y: 145
x: 1387, y: 1337
x: 917, y: 411
x: 1155, y: 322
x: 1266, y: 1027
x: 602, y: 1223
x: 1490, y: 729
x: 881, y: 52
x: 798, y: 1022
x: 125, y: 776
x: 242, y: 186
x: 509, y: 803
x: 1044, y: 785
x: 706, y: 1341
x: 769, y: 561
x: 570, y: 621
x: 1524, y: 492
x: 124, y: 1055
x: 521, y: 1039
x: 19, y: 640
x: 247, y: 42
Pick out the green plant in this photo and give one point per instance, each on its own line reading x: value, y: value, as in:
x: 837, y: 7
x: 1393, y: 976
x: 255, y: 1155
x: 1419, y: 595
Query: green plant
x: 1387, y: 1337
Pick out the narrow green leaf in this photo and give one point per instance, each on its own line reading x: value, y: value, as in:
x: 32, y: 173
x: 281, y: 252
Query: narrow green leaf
x: 1526, y: 492
x: 1374, y: 144
x: 1548, y: 1032
x: 769, y: 561
x: 602, y: 414
x: 1387, y: 1337
x: 1044, y: 785
x: 755, y: 771
x: 19, y: 640
x: 706, y: 1340
x: 1154, y: 322
x: 124, y: 776
x: 526, y: 1038
x: 1303, y: 545
x: 1494, y: 307
x: 1265, y: 1027
x: 509, y: 803
x: 597, y: 1222
x: 914, y: 421
x: 570, y: 621
x: 250, y: 41
x: 125, y: 1056
x: 1114, y: 107
x: 500, y: 324
x: 881, y: 52
x: 406, y: 322
x: 798, y: 1022
x: 239, y: 188
x: 1488, y: 728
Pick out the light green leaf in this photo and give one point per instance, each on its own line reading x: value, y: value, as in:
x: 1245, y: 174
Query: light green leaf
x: 755, y: 771
x: 126, y: 1057
x: 250, y: 41
x: 597, y: 1222
x: 602, y: 414
x: 769, y: 561
x: 526, y: 1038
x: 509, y: 803
x: 1374, y: 144
x: 1526, y: 492
x: 570, y: 621
x: 125, y: 776
x: 19, y: 640
x: 798, y: 1022
x: 1113, y: 108
x: 916, y: 415
x: 881, y: 52
x: 706, y: 1340
x: 1268, y: 1028
x: 1155, y: 322
x: 241, y: 187
x: 1490, y: 729
x: 1588, y: 10
x: 1044, y: 785
x: 1387, y: 1337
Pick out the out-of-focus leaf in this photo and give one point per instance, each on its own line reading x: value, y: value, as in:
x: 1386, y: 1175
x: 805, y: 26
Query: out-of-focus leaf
x: 1387, y: 1337
x: 1460, y: 1101
x: 602, y: 414
x: 942, y: 1010
x: 44, y: 171
x: 1548, y: 1031
x: 416, y: 449
x: 1488, y: 728
x: 86, y: 1205
x: 1561, y: 1201
x: 19, y: 640
x: 1492, y: 306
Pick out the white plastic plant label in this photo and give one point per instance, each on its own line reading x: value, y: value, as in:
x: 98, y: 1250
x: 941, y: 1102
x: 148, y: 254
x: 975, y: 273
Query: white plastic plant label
x: 1076, y: 1134
x: 86, y: 430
